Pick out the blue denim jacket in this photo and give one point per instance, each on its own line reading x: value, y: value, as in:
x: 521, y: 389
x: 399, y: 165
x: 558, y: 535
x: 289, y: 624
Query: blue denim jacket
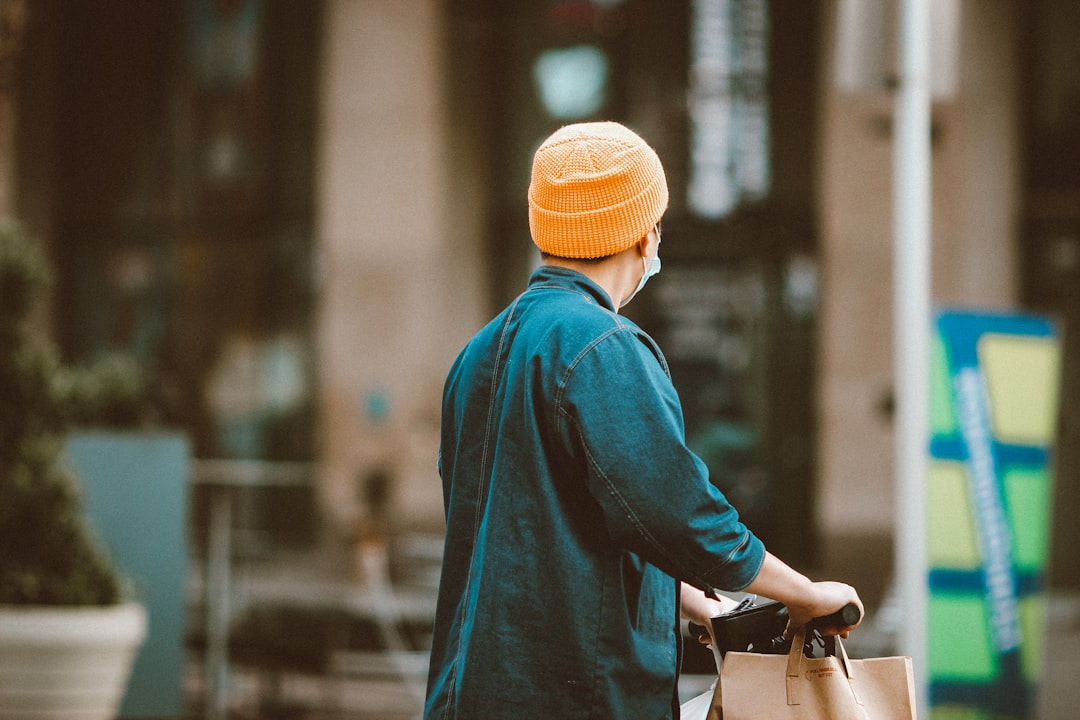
x: 572, y: 503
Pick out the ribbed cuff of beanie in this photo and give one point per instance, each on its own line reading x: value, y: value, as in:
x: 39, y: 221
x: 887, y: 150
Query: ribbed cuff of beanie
x: 596, y: 189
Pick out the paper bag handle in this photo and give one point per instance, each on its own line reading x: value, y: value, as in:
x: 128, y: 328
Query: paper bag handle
x: 795, y: 662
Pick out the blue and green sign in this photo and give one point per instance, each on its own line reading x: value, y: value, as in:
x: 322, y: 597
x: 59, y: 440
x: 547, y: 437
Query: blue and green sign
x: 994, y: 400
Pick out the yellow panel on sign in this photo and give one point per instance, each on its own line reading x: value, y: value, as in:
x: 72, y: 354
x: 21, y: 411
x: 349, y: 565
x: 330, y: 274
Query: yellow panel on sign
x: 1022, y: 377
x: 1032, y: 614
x: 947, y: 712
x: 950, y: 518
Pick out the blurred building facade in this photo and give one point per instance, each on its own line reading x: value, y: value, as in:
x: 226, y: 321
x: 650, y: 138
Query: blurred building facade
x: 296, y: 213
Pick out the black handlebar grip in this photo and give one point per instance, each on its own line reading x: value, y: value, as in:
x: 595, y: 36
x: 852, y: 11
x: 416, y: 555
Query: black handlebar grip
x: 844, y: 617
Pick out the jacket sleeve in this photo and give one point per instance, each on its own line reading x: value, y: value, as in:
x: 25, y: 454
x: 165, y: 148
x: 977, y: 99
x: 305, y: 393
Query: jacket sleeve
x: 619, y: 412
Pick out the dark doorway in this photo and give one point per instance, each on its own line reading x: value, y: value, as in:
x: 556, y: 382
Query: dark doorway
x: 168, y: 151
x: 735, y: 306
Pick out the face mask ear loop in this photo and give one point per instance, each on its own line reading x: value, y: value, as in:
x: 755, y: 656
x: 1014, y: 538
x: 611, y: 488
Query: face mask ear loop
x: 650, y: 269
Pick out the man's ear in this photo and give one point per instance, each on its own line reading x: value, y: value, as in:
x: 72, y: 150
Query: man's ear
x: 645, y: 245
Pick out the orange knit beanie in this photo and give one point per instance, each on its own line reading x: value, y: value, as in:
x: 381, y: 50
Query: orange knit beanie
x: 596, y: 189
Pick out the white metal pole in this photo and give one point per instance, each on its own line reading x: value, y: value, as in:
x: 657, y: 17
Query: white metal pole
x: 912, y: 321
x: 219, y: 558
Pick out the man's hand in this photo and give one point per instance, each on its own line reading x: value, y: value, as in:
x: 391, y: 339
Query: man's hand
x: 823, y: 599
x: 804, y: 599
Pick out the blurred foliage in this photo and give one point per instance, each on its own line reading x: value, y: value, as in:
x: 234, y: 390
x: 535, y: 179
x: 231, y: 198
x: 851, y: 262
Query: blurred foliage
x: 48, y: 555
x: 111, y: 392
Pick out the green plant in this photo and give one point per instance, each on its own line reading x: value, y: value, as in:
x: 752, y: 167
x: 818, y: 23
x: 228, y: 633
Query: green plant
x: 48, y: 556
x: 109, y: 392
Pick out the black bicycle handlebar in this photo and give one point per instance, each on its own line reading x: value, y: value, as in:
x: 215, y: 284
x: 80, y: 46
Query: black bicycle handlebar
x: 844, y: 617
x: 760, y: 628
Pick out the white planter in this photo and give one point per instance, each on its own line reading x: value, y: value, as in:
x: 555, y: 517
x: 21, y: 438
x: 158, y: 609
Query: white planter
x: 67, y: 662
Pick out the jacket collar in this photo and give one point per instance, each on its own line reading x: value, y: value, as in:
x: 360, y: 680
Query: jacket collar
x: 561, y: 277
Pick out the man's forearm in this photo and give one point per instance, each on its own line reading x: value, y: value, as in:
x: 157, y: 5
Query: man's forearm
x: 804, y: 598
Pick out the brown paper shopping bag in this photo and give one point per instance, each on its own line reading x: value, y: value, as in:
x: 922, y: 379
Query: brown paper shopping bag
x: 754, y: 686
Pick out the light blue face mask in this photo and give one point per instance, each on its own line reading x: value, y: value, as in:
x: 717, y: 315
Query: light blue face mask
x: 651, y: 268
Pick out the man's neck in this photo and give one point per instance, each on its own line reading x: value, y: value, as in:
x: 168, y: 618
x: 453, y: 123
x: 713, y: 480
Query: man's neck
x: 615, y: 274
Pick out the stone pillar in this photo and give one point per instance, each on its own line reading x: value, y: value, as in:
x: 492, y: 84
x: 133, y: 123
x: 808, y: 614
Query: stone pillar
x: 398, y: 296
x: 976, y: 191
